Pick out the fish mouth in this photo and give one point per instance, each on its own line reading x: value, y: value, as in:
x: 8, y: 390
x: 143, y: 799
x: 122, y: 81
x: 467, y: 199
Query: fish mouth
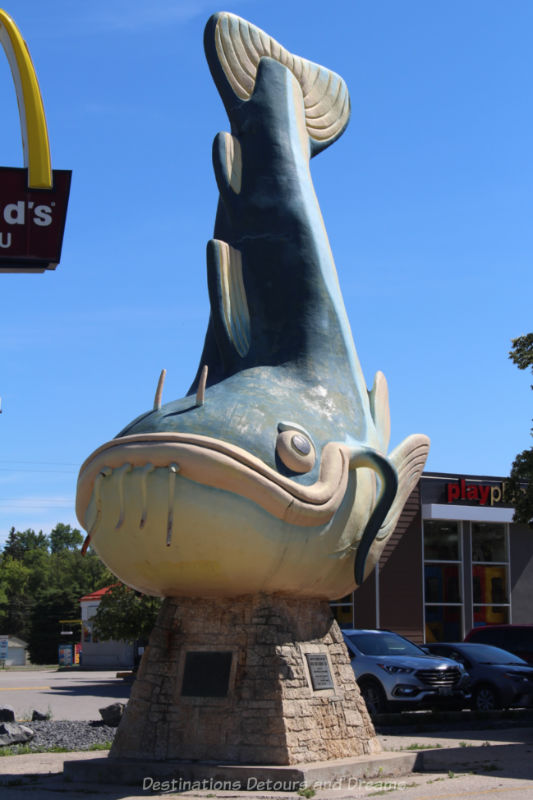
x: 221, y: 465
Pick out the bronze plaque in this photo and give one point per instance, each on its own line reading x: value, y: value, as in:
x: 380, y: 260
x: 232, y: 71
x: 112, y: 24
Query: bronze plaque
x: 206, y: 673
x: 319, y: 670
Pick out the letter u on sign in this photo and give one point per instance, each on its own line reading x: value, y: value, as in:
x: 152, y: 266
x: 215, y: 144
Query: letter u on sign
x: 33, y: 198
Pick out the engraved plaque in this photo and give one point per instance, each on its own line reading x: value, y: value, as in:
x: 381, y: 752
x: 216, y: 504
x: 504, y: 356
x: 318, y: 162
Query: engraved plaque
x: 319, y: 670
x: 206, y: 674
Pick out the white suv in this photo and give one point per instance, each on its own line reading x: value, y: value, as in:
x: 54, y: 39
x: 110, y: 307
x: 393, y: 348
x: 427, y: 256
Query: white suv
x: 395, y: 674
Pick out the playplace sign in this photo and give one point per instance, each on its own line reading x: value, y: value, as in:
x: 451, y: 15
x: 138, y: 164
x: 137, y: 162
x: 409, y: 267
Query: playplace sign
x: 488, y: 494
x: 33, y: 198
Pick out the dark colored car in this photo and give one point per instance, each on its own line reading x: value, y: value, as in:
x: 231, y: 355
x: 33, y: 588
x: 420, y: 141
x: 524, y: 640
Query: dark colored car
x: 395, y: 674
x: 499, y: 678
x: 517, y: 639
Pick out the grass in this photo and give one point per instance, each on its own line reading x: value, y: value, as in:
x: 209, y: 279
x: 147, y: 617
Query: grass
x: 392, y: 788
x: 28, y: 667
x: 416, y: 746
x: 16, y: 750
x: 24, y: 749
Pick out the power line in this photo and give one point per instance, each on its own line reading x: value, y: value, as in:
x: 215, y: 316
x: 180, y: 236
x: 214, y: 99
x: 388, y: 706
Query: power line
x: 41, y: 471
x: 48, y: 463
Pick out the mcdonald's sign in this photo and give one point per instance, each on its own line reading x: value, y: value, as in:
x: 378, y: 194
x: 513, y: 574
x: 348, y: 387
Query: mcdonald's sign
x: 33, y: 198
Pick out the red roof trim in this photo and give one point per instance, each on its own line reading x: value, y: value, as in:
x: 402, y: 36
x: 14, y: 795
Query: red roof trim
x: 96, y: 595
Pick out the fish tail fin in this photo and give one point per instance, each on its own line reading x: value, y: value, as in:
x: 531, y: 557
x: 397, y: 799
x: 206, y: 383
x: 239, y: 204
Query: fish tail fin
x: 234, y: 48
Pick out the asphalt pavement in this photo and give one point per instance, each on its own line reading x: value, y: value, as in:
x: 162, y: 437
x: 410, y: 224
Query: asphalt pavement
x: 462, y: 755
x: 68, y: 694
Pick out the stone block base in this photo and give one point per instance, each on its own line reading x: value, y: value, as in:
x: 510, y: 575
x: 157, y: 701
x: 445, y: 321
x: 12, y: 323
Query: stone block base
x: 250, y: 680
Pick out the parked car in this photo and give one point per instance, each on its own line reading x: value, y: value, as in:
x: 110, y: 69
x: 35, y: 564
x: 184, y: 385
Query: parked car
x: 393, y: 673
x: 517, y: 639
x: 499, y: 678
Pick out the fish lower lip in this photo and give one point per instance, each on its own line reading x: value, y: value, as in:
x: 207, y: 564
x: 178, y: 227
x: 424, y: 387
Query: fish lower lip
x: 221, y: 465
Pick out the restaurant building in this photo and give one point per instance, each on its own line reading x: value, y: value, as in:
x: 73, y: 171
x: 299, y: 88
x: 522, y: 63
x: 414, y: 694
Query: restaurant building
x: 455, y: 561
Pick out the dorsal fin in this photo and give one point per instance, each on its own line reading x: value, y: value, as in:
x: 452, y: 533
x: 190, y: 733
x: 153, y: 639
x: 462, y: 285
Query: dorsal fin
x: 234, y: 48
x: 379, y: 407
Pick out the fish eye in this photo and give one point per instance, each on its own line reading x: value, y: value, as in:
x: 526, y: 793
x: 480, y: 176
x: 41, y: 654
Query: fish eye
x: 295, y: 450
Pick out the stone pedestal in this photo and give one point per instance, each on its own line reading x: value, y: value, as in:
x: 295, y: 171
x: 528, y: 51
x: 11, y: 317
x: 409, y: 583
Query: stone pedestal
x: 249, y: 680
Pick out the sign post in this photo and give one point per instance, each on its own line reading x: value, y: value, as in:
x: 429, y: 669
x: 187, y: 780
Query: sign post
x: 4, y: 644
x: 34, y: 198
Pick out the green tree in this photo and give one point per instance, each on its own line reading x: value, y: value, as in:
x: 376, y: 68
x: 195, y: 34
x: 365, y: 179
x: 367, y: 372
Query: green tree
x: 15, y: 600
x: 63, y: 537
x: 42, y: 579
x: 45, y: 634
x: 20, y: 543
x: 125, y: 615
x: 522, y: 351
x: 520, y: 484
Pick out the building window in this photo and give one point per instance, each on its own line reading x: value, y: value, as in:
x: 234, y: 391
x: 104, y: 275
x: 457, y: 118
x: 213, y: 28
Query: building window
x: 343, y: 611
x: 490, y: 573
x: 443, y: 597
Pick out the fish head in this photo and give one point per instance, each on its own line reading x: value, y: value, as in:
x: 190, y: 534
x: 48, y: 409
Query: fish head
x: 260, y: 488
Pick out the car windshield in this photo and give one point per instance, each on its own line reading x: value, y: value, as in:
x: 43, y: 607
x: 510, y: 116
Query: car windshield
x: 384, y: 644
x: 488, y: 654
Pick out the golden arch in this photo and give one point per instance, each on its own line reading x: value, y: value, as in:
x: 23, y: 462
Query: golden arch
x: 31, y: 111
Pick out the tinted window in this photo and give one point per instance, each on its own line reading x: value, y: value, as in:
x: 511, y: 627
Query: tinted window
x: 489, y: 636
x: 489, y: 542
x: 447, y: 652
x: 486, y: 654
x: 435, y: 650
x: 384, y: 644
x: 512, y: 638
x: 441, y: 540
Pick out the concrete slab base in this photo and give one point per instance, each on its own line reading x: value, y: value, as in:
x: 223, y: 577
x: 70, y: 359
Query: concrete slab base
x: 182, y: 776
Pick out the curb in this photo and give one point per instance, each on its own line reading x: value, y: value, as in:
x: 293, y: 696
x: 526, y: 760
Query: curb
x: 183, y: 776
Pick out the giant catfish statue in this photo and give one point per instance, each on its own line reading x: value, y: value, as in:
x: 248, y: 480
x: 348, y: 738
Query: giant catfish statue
x: 272, y: 474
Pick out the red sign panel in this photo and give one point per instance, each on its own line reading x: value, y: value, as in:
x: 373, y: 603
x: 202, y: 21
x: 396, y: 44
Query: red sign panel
x: 32, y: 221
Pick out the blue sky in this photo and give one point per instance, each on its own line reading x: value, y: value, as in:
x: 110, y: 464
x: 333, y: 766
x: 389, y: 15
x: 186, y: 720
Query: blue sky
x: 427, y: 198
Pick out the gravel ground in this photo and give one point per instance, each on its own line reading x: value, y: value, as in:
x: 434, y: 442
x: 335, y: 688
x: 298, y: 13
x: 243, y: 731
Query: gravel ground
x: 68, y: 734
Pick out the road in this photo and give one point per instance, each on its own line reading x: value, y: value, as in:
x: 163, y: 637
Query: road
x: 75, y: 695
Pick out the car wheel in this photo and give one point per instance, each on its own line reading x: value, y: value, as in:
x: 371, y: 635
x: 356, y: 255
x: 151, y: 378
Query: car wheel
x: 485, y: 698
x: 374, y: 697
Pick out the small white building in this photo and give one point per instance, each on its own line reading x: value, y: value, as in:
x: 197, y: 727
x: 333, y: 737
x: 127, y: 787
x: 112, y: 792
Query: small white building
x: 16, y: 651
x: 95, y: 653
